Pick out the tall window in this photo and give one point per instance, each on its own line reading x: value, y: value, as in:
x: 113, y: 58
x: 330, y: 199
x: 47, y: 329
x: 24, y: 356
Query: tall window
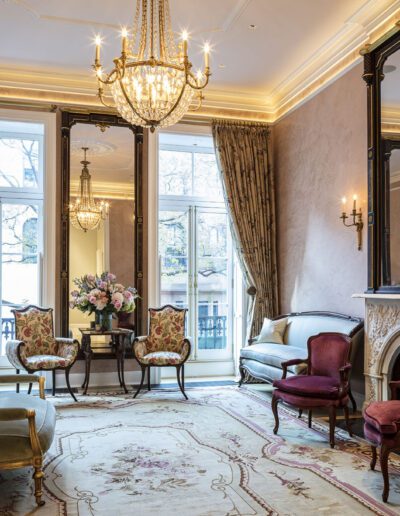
x: 21, y: 230
x: 196, y: 258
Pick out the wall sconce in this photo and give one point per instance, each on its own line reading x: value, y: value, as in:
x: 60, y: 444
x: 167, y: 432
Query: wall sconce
x: 357, y: 219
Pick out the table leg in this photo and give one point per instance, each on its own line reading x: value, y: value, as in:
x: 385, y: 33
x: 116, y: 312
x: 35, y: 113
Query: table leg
x: 88, y: 356
x: 83, y: 351
x: 116, y: 348
x: 121, y: 348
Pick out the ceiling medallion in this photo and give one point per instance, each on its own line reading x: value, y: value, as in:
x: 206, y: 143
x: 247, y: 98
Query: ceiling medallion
x: 96, y: 148
x: 85, y: 213
x: 152, y: 82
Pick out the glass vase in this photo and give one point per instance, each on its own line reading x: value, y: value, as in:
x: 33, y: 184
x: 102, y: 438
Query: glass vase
x: 104, y: 320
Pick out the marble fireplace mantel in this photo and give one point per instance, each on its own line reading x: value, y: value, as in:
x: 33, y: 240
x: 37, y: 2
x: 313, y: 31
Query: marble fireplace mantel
x: 382, y: 342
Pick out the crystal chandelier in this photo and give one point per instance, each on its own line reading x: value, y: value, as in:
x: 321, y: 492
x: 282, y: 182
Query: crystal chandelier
x: 85, y: 213
x: 152, y: 82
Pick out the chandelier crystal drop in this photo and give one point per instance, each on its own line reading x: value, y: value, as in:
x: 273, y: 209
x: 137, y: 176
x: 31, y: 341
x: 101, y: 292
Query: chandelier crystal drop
x: 152, y: 82
x: 85, y: 213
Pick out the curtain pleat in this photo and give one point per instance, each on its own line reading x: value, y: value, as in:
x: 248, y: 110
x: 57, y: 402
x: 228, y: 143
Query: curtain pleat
x: 248, y: 184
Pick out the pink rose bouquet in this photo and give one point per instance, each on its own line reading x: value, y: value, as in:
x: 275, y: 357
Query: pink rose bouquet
x: 102, y: 294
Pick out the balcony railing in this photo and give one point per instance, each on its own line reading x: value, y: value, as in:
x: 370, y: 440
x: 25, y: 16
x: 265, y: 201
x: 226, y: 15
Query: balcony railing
x: 212, y: 331
x: 7, y: 329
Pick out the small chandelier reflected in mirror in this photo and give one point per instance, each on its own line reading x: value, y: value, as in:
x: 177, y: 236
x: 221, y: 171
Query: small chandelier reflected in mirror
x: 85, y: 213
x: 152, y: 82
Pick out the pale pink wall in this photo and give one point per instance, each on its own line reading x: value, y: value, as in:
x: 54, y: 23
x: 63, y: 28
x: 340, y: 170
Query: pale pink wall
x: 320, y: 155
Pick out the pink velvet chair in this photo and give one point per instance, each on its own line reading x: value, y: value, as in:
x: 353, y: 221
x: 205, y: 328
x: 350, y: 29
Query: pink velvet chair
x: 326, y: 384
x: 382, y: 428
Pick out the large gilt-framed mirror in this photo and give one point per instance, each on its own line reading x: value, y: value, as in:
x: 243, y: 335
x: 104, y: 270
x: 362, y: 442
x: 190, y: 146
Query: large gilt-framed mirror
x: 382, y: 75
x: 107, y: 152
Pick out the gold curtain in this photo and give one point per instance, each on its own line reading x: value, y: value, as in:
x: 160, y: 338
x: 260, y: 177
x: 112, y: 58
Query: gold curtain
x: 248, y: 182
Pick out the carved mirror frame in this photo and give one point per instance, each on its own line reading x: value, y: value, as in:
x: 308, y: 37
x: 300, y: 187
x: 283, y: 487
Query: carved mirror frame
x: 103, y: 121
x: 378, y: 206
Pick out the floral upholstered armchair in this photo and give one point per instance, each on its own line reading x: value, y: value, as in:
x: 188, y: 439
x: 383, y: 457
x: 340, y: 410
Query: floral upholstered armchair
x: 36, y: 348
x: 166, y: 344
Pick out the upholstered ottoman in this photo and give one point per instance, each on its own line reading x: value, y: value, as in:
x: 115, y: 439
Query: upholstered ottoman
x: 382, y: 428
x: 27, y: 425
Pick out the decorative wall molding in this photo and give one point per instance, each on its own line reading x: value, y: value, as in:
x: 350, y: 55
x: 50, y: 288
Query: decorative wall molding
x: 106, y: 189
x: 382, y: 330
x: 338, y: 55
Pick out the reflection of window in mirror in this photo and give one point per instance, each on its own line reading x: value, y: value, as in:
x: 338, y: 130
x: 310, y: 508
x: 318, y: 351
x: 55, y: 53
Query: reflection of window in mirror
x: 390, y: 127
x: 111, y: 245
x: 394, y: 203
x: 390, y: 93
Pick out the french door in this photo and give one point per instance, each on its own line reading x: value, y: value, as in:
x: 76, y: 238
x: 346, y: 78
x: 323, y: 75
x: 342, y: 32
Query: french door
x: 21, y: 251
x: 196, y: 272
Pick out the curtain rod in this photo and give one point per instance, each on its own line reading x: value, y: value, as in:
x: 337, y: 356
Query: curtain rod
x: 244, y: 123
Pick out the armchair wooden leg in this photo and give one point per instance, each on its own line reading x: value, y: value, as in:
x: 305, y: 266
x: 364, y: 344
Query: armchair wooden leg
x: 384, y: 457
x: 30, y: 388
x: 68, y: 384
x: 346, y: 417
x: 183, y: 376
x: 332, y: 424
x: 54, y: 382
x: 17, y: 385
x: 242, y: 375
x: 353, y: 401
x: 148, y: 379
x: 374, y: 457
x: 141, y: 381
x: 309, y: 418
x: 274, y: 405
x: 178, y: 376
x: 37, y: 477
x: 300, y: 413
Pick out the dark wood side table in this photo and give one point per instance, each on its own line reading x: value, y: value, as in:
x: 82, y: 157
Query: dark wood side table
x: 119, y: 336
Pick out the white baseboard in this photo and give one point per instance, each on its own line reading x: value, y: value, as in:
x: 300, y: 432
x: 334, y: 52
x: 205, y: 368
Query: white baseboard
x: 199, y: 369
x: 98, y: 379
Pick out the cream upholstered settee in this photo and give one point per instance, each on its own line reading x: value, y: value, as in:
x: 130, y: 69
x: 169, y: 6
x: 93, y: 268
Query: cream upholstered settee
x: 262, y: 360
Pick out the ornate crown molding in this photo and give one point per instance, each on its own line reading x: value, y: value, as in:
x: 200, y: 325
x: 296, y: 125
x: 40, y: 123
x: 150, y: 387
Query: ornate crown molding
x: 331, y: 60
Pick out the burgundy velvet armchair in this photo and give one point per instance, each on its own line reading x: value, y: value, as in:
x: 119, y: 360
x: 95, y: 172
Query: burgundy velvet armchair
x: 382, y: 429
x: 326, y: 384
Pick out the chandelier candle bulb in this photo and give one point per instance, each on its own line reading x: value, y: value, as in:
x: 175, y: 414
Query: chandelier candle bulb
x: 124, y: 34
x: 207, y: 56
x: 98, y: 45
x: 354, y: 202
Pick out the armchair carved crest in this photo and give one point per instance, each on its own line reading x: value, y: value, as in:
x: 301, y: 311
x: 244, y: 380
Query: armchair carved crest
x: 166, y: 345
x: 36, y: 349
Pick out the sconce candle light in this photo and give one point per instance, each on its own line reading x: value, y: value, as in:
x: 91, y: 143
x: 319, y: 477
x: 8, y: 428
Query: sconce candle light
x: 357, y: 219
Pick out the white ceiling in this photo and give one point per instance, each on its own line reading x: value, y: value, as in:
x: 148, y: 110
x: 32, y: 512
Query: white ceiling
x: 111, y: 154
x: 56, y: 36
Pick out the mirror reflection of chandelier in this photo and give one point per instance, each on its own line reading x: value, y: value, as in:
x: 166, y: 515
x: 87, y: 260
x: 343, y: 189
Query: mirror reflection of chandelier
x: 85, y: 213
x: 152, y: 82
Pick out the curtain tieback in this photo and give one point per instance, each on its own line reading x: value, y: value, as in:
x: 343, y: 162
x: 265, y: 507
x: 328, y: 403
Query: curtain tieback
x: 252, y: 291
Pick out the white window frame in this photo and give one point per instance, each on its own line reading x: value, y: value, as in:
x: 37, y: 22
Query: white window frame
x: 189, y: 203
x: 47, y: 267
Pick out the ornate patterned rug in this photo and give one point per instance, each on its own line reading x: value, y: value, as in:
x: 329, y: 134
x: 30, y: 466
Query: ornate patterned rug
x: 213, y: 455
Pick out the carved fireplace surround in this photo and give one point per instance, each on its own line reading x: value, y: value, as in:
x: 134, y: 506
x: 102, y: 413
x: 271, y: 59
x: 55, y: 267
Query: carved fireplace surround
x: 382, y: 342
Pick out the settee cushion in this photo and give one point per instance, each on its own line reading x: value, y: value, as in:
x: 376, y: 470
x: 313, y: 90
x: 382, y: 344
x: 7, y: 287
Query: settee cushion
x: 14, y: 435
x: 323, y: 387
x: 274, y: 355
x: 273, y: 331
